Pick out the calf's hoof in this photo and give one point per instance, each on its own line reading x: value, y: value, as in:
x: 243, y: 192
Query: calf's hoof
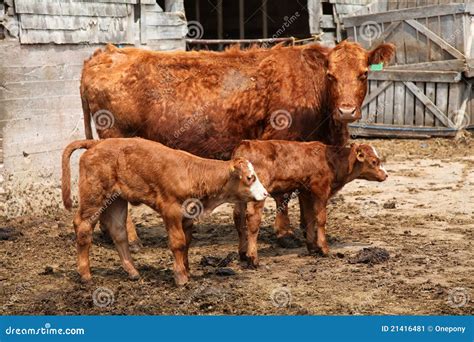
x: 180, y: 280
x: 252, y: 263
x: 134, y: 276
x: 135, y: 246
x: 86, y: 278
x: 243, y: 256
x: 289, y: 241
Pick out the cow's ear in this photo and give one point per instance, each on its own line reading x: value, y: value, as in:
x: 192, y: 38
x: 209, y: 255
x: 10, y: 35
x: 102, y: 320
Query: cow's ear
x: 382, y: 54
x: 360, y: 155
x: 236, y: 167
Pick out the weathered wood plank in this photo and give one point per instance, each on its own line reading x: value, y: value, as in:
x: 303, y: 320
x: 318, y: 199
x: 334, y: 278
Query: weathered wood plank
x: 385, y: 34
x: 449, y: 65
x: 75, y: 37
x: 430, y: 92
x: 165, y: 18
x: 418, y: 75
x: 372, y: 108
x: 315, y: 13
x: 433, y: 108
x: 399, y: 104
x: 388, y: 105
x: 406, y: 14
x: 392, y: 131
x: 50, y: 22
x: 166, y: 32
x: 55, y: 7
x: 420, y: 107
x: 436, y: 39
x: 380, y: 104
x: 442, y: 101
x: 409, y: 108
x: 455, y: 100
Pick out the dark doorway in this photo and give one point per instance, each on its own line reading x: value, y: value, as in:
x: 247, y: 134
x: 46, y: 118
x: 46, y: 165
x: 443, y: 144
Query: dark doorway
x: 249, y: 19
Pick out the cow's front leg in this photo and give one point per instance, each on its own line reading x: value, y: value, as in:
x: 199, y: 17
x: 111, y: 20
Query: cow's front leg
x: 285, y: 234
x: 254, y: 218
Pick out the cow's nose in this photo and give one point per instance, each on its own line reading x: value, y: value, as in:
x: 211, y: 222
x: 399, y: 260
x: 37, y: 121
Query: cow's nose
x: 347, y: 111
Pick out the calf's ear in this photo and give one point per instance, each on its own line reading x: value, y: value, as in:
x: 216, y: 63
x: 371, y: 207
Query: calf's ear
x: 360, y: 155
x: 382, y: 54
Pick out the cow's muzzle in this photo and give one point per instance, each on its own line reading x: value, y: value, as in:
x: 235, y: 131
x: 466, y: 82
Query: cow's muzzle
x: 348, y: 114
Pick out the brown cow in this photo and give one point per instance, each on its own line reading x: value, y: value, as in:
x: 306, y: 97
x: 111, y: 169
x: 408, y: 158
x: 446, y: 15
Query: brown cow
x: 316, y: 171
x: 116, y: 171
x: 207, y: 102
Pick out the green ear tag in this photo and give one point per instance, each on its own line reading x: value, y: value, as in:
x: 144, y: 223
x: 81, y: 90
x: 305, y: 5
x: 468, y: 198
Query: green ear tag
x: 376, y: 67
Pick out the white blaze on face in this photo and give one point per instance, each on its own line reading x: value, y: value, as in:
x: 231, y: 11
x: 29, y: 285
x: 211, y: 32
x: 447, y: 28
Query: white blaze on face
x: 257, y: 189
x: 381, y: 166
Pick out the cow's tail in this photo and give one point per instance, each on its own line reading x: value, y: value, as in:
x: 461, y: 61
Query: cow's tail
x: 66, y: 169
x: 87, y: 117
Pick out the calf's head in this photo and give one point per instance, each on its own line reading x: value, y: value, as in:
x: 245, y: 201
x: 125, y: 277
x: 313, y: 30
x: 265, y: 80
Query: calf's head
x: 370, y: 167
x: 347, y: 70
x: 244, y: 185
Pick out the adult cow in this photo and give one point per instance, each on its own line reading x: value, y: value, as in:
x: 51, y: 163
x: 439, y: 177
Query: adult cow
x: 207, y: 102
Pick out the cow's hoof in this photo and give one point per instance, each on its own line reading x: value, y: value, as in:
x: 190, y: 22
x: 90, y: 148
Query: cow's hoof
x: 252, y: 264
x: 289, y: 241
x: 86, y: 279
x: 135, y: 246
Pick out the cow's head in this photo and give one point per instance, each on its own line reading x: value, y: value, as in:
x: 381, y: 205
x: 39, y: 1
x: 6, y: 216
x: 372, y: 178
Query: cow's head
x: 347, y: 70
x: 244, y: 185
x: 370, y: 167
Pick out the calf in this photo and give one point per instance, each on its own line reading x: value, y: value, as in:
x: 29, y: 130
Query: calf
x: 176, y: 184
x: 316, y: 171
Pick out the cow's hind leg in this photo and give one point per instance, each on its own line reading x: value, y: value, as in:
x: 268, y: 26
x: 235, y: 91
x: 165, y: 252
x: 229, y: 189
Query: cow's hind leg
x: 115, y: 218
x: 285, y: 234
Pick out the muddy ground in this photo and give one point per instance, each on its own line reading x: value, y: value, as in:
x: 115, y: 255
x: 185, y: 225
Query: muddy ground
x: 422, y: 216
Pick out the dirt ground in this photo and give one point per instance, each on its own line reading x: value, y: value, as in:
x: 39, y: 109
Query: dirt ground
x: 422, y: 216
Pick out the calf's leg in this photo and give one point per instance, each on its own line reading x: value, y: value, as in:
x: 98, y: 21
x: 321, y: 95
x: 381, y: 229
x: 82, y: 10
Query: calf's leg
x: 83, y: 228
x: 285, y: 234
x: 133, y: 239
x: 178, y: 245
x: 239, y: 222
x: 114, y: 218
x: 188, y: 232
x: 321, y: 216
x: 254, y: 218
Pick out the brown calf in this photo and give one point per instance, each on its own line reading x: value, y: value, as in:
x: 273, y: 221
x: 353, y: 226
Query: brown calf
x: 176, y: 184
x: 315, y: 170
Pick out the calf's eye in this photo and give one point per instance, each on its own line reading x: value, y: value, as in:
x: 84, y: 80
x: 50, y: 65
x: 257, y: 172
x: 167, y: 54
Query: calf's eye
x: 250, y: 178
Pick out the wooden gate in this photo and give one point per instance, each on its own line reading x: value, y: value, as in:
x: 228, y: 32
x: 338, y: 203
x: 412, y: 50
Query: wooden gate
x: 428, y: 90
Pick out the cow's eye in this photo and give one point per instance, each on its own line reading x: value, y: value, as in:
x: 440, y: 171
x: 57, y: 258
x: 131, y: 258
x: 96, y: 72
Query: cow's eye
x: 251, y: 178
x: 363, y: 76
x: 374, y: 163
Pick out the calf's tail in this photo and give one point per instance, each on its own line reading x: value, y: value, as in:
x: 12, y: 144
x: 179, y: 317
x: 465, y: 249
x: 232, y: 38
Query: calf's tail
x: 66, y: 170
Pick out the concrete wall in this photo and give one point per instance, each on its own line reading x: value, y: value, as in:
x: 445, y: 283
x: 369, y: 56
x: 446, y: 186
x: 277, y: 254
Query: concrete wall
x: 40, y: 112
